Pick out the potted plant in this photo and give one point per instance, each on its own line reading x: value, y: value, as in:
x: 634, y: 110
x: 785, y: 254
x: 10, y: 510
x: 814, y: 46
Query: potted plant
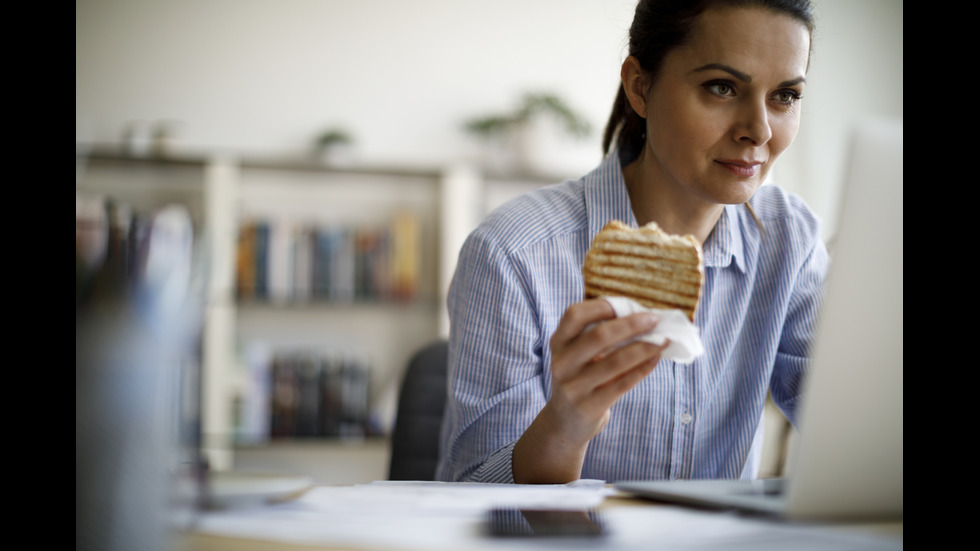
x: 517, y: 140
x: 333, y: 145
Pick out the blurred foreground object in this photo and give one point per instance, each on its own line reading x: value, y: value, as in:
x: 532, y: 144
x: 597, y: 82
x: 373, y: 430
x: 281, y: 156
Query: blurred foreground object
x: 138, y: 308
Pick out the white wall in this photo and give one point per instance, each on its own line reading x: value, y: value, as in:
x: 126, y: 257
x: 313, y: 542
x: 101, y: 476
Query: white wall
x: 856, y: 73
x: 263, y: 77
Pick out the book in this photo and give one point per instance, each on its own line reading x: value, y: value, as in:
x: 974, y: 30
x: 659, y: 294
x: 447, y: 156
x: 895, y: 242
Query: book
x: 354, y: 396
x: 331, y: 396
x: 280, y: 263
x: 283, y: 399
x: 303, y: 264
x: 371, y: 261
x: 245, y: 262
x: 334, y: 264
x: 308, y: 374
x: 406, y: 257
x: 323, y: 243
x: 261, y: 245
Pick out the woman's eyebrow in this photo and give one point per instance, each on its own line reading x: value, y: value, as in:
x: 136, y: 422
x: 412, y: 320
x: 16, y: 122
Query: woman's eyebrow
x: 792, y: 82
x: 734, y: 72
x: 744, y: 77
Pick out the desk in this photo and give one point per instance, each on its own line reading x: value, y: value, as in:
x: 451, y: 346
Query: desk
x: 359, y: 522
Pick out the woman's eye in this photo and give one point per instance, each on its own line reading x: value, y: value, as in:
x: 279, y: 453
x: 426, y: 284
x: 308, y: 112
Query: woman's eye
x: 787, y: 97
x: 720, y: 88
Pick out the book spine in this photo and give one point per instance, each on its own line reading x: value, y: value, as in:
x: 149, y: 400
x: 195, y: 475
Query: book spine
x: 343, y: 270
x: 262, y: 260
x: 371, y: 268
x: 405, y: 256
x: 280, y: 261
x: 304, y: 267
x: 245, y: 262
x: 283, y: 398
x: 331, y: 396
x: 322, y: 263
x: 309, y: 372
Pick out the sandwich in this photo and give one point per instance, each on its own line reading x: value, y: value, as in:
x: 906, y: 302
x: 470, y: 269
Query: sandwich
x: 646, y: 264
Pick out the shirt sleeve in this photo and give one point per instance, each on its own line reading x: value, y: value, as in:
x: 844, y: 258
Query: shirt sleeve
x: 799, y: 327
x: 495, y: 365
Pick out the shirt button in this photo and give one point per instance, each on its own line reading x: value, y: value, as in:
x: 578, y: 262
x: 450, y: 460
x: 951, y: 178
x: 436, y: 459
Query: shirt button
x: 687, y: 418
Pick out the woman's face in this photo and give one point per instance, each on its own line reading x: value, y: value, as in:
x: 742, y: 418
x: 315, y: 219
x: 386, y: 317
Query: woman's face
x: 726, y: 104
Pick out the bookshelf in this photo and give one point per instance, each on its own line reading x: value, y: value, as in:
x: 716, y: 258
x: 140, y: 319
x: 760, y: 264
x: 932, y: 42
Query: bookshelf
x: 246, y: 331
x: 362, y: 295
x: 375, y: 327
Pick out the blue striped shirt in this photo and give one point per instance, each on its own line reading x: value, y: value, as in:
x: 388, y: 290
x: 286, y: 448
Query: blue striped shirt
x: 521, y: 268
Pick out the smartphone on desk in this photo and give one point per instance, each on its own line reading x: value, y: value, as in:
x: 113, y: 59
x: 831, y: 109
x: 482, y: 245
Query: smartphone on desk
x: 506, y: 522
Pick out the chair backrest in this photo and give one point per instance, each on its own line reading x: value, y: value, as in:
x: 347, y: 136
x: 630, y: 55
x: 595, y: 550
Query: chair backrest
x: 421, y: 402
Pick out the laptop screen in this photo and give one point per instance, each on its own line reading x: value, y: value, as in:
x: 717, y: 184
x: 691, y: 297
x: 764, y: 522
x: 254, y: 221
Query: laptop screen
x: 850, y: 450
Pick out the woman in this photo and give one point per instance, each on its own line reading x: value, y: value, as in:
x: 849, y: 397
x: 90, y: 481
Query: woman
x: 710, y: 97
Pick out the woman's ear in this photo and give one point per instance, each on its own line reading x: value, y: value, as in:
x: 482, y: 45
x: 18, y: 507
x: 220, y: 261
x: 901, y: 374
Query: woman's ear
x: 634, y: 83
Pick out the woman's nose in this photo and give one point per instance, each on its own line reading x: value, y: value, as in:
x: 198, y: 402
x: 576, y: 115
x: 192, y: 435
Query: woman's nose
x: 753, y: 123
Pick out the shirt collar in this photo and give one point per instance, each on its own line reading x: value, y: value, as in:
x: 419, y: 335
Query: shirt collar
x: 725, y: 244
x: 606, y: 199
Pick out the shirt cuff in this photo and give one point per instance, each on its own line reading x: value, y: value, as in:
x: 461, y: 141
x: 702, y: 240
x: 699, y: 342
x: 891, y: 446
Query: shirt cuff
x: 498, y: 468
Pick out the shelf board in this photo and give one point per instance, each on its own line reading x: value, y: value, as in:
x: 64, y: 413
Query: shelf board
x: 117, y: 154
x: 364, y: 305
x: 310, y: 165
x: 379, y: 441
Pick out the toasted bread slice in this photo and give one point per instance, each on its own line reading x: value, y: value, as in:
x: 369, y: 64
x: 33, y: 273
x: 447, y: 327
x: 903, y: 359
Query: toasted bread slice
x: 646, y: 264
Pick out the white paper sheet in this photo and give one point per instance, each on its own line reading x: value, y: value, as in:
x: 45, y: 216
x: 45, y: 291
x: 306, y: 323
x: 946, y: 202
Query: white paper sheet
x: 399, y: 515
x: 437, y: 516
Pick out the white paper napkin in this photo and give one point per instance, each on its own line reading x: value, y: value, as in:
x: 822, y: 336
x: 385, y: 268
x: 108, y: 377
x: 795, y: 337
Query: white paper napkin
x: 685, y: 340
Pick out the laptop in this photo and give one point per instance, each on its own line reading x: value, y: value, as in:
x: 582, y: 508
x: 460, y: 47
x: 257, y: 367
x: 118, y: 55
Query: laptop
x: 848, y: 463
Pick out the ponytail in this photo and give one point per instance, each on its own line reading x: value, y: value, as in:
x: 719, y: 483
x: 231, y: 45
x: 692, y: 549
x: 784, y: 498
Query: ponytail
x: 615, y: 120
x: 625, y: 129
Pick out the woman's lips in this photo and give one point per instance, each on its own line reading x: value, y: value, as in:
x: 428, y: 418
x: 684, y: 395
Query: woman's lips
x: 742, y: 169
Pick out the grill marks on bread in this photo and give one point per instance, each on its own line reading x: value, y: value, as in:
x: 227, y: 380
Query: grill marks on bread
x: 654, y: 268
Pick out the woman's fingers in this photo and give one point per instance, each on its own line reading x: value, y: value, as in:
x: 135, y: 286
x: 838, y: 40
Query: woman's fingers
x: 618, y: 373
x: 611, y: 335
x: 588, y: 332
x: 607, y: 378
x: 579, y: 316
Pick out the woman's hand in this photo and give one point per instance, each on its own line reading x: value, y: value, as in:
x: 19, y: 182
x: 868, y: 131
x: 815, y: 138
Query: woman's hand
x: 591, y: 368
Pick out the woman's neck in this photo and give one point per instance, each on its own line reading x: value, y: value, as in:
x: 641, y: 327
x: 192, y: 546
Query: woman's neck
x: 673, y: 210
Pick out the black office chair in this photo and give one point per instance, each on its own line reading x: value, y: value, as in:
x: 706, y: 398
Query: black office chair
x: 421, y: 402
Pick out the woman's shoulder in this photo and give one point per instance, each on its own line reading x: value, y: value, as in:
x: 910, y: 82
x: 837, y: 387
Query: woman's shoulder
x: 774, y: 205
x: 536, y: 215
